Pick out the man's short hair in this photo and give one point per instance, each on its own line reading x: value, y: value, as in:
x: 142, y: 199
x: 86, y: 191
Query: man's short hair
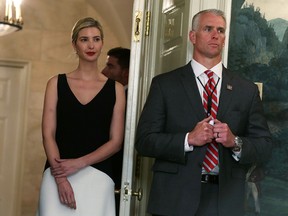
x: 122, y: 54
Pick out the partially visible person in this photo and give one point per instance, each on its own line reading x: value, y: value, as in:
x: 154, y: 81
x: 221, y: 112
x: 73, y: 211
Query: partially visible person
x: 117, y: 68
x: 205, y: 126
x: 82, y: 127
x: 117, y: 65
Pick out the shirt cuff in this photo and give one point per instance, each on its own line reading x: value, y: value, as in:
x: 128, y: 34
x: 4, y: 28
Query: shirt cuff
x: 187, y: 147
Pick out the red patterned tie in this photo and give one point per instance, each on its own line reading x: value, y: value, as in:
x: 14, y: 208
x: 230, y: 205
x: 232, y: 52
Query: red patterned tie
x: 211, y: 106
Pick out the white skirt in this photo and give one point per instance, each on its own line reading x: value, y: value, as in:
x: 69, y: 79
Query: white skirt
x: 93, y: 191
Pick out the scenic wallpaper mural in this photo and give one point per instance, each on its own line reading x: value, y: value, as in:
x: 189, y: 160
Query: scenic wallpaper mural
x: 258, y: 50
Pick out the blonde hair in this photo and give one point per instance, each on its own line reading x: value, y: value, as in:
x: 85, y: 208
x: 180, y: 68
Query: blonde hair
x: 85, y: 23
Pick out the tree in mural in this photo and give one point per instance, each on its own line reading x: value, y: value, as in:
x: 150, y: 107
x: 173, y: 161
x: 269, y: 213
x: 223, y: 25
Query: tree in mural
x: 257, y: 53
x: 258, y: 50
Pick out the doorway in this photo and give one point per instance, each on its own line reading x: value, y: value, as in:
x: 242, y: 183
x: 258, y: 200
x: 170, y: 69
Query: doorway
x: 13, y: 94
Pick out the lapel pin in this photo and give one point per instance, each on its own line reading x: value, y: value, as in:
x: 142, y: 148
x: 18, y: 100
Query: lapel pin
x: 229, y: 87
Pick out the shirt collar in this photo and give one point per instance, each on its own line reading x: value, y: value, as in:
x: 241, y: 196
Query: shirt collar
x: 200, y: 69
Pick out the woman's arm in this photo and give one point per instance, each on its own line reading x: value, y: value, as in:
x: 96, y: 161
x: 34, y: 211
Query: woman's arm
x: 66, y: 194
x: 49, y: 122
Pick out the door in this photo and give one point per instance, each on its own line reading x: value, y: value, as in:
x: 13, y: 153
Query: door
x: 13, y: 88
x: 127, y: 201
x: 159, y: 44
x: 151, y: 19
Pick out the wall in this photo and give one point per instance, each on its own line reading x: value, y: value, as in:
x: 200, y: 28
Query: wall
x: 45, y: 43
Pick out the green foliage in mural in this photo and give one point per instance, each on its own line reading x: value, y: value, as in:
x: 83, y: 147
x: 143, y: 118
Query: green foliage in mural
x: 256, y: 53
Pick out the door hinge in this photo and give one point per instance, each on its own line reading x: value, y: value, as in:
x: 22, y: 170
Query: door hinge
x: 147, y: 24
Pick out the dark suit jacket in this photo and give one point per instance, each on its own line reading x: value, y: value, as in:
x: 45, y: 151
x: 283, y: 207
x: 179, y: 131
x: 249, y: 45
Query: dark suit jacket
x: 172, y: 109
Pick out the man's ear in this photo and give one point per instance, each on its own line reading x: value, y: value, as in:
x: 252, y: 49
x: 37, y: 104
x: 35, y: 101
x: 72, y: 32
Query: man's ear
x: 125, y: 76
x: 192, y: 36
x: 126, y: 72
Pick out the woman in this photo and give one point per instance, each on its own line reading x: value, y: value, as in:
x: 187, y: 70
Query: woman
x: 82, y: 127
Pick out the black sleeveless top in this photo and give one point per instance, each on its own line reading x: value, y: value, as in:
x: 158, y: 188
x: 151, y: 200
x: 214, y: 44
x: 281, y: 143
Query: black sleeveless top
x: 81, y: 129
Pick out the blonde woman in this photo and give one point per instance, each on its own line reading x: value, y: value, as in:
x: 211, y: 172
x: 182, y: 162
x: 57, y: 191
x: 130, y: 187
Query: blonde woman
x: 82, y: 127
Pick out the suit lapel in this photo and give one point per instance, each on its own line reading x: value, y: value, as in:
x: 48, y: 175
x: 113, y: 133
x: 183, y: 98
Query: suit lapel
x: 194, y: 98
x: 226, y: 93
x: 192, y: 92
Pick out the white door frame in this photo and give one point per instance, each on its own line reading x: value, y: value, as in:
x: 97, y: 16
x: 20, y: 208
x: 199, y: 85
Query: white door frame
x: 132, y: 110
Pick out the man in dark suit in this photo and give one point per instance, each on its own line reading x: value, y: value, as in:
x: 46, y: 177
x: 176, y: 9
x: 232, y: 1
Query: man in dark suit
x: 117, y: 68
x: 183, y: 118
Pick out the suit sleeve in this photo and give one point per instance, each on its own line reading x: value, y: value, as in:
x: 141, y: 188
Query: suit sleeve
x: 257, y: 141
x: 152, y: 139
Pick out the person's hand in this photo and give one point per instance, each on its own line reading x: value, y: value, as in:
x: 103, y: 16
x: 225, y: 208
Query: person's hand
x: 66, y: 167
x: 223, y: 134
x: 202, y: 133
x: 66, y: 193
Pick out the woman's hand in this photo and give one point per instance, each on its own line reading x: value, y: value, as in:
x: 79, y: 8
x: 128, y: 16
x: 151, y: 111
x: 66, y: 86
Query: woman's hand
x: 66, y: 193
x: 66, y: 167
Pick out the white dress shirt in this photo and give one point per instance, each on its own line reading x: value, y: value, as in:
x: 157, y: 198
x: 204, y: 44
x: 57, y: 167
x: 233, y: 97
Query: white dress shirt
x: 201, y: 80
